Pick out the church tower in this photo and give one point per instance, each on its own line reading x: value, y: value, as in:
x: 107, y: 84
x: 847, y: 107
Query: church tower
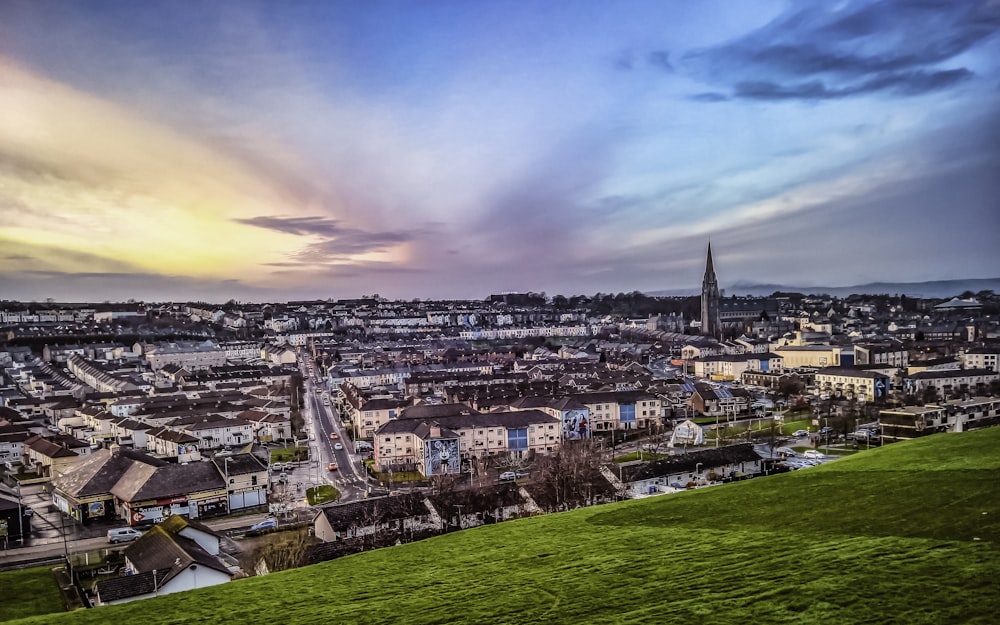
x: 710, y: 324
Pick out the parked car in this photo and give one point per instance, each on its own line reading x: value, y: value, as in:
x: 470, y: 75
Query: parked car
x: 786, y: 451
x: 508, y: 476
x: 813, y: 453
x: 277, y: 466
x: 800, y: 433
x: 123, y: 535
x: 283, y: 478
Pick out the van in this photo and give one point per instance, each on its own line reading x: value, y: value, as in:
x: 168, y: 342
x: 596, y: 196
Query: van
x: 123, y: 535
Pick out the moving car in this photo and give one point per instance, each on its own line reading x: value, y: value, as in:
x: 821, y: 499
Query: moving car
x: 123, y: 535
x: 332, y: 466
x: 800, y: 433
x: 813, y: 453
x: 338, y: 446
x: 508, y: 476
x: 266, y: 524
x: 333, y: 436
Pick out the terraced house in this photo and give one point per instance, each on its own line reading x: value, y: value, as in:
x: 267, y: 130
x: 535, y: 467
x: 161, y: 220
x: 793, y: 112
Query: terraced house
x: 437, y: 444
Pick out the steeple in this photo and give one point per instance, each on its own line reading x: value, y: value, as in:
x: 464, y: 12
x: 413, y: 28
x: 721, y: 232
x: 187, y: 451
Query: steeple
x: 710, y: 323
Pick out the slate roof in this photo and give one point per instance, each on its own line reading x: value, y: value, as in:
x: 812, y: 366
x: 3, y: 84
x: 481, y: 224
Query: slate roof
x: 477, y: 500
x: 951, y: 373
x: 166, y: 434
x: 511, y: 419
x: 239, y: 464
x: 679, y: 463
x: 849, y: 372
x: 100, y: 471
x: 436, y: 411
x: 143, y: 482
x: 373, y: 511
x: 127, y: 586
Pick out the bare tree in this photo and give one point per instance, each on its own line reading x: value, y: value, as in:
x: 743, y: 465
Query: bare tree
x: 281, y: 552
x: 571, y: 476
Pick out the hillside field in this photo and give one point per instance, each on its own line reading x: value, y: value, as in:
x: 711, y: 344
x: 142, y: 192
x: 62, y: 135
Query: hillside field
x: 903, y: 534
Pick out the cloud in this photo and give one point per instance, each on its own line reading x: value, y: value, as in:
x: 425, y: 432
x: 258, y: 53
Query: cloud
x: 338, y: 243
x: 906, y: 83
x: 819, y: 52
x: 322, y: 226
x: 661, y: 59
x: 709, y: 96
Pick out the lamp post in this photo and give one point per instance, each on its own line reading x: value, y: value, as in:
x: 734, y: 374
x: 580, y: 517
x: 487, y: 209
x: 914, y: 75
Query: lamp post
x: 20, y: 516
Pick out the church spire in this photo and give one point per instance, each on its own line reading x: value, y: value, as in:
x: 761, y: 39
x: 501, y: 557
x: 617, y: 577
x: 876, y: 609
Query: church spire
x: 710, y: 322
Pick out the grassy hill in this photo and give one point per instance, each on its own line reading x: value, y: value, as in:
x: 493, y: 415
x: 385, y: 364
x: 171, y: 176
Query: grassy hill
x: 895, y: 535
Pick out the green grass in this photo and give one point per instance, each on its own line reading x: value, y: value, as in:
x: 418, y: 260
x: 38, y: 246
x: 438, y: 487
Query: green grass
x: 321, y: 494
x: 28, y: 592
x: 286, y: 454
x: 894, y: 535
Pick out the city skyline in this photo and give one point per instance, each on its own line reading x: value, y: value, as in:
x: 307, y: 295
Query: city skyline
x: 267, y: 151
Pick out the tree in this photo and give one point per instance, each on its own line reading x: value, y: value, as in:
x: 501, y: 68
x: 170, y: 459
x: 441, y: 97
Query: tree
x: 280, y: 552
x: 571, y: 476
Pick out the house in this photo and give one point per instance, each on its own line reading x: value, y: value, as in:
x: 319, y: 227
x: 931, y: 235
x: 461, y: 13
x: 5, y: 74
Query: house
x: 246, y: 478
x: 173, y: 556
x: 83, y: 489
x: 433, y: 445
x: 951, y: 382
x: 908, y: 422
x: 863, y: 384
x: 718, y: 401
x: 166, y: 443
x: 368, y: 517
x: 621, y: 410
x: 48, y: 456
x: 268, y: 426
x: 695, y: 468
x: 149, y: 494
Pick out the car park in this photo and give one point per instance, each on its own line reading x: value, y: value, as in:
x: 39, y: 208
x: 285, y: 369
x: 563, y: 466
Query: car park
x: 123, y: 535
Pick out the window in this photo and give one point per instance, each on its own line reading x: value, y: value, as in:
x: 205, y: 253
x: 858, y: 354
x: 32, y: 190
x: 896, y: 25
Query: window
x: 388, y: 439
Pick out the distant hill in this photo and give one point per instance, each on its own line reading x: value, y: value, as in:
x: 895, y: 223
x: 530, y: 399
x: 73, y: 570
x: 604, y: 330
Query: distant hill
x: 903, y: 534
x: 928, y: 290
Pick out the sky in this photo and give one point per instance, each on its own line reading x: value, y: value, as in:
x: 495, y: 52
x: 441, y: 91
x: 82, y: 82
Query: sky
x: 266, y: 151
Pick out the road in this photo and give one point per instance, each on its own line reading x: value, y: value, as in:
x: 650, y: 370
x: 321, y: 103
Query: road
x: 55, y: 548
x: 350, y: 478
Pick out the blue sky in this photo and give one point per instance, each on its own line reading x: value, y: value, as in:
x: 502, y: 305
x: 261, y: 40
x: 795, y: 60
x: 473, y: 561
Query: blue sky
x: 275, y: 150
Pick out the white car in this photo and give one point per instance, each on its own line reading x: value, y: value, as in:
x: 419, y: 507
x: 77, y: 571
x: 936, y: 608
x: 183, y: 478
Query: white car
x: 813, y: 453
x: 123, y: 535
x: 508, y: 476
x: 338, y: 446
